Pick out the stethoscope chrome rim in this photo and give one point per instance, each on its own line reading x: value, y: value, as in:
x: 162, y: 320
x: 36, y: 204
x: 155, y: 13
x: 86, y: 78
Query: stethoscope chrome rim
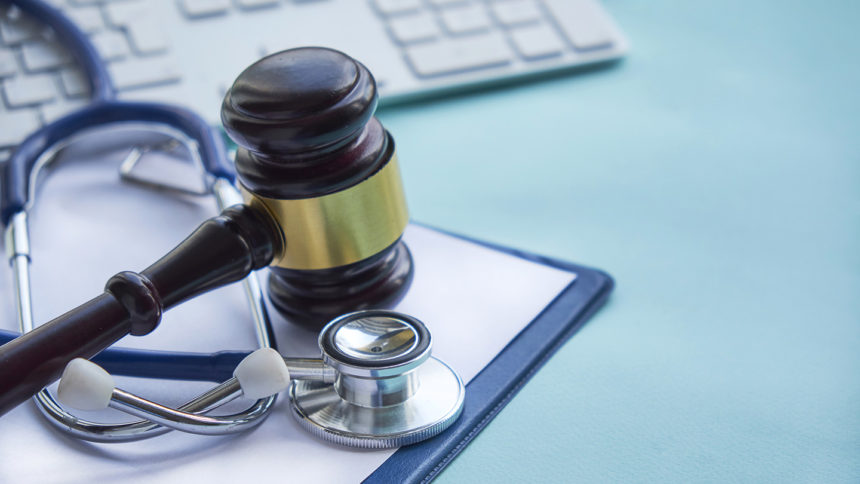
x: 340, y: 358
x: 437, y: 404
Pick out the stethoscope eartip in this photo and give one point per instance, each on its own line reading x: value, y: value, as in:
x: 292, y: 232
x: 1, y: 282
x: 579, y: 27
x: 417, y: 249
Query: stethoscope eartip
x: 262, y: 373
x: 85, y: 386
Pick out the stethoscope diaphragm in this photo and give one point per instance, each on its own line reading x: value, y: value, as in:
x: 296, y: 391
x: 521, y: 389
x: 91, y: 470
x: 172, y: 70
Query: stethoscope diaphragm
x: 389, y: 391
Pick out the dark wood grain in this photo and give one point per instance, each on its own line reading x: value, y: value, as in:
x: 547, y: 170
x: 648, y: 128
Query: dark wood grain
x: 222, y: 250
x: 303, y: 119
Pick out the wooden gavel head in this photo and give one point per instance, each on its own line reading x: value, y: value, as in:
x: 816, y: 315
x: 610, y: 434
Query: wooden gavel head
x: 314, y: 159
x: 324, y: 208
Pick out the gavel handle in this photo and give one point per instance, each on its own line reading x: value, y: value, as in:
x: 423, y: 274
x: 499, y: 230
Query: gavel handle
x: 222, y: 250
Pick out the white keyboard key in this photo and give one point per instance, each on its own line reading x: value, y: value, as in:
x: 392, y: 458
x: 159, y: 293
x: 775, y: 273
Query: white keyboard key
x: 141, y: 23
x: 147, y: 36
x: 74, y: 83
x: 29, y: 90
x: 255, y: 4
x: 445, y: 3
x: 8, y: 64
x: 516, y: 12
x: 122, y: 13
x: 408, y: 29
x: 42, y: 56
x: 89, y: 19
x: 51, y: 111
x: 144, y: 72
x: 582, y: 22
x: 119, y: 40
x: 537, y: 41
x: 459, y: 54
x: 468, y: 18
x: 17, y: 125
x: 389, y: 7
x: 204, y: 8
x: 15, y: 28
x: 111, y: 44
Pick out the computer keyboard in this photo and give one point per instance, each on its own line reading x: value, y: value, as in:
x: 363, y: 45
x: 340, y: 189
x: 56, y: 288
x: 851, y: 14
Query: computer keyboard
x: 189, y: 51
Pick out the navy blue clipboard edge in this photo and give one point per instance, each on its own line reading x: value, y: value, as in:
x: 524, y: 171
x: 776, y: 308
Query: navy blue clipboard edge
x: 492, y: 389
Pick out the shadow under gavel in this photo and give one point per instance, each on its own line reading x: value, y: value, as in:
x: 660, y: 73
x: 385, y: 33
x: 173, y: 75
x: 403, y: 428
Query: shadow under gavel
x: 324, y: 207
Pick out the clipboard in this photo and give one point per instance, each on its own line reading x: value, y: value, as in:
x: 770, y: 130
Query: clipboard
x: 513, y: 308
x: 498, y: 383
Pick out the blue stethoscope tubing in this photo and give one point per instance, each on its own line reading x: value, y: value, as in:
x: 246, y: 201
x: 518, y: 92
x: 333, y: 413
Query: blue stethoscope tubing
x: 104, y: 109
x: 165, y: 365
x: 17, y: 175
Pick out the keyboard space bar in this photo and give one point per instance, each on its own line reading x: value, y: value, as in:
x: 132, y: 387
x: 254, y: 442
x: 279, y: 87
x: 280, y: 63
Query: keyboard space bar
x: 460, y: 54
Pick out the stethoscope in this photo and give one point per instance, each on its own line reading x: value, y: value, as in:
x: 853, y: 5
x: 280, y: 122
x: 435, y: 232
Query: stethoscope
x: 375, y: 385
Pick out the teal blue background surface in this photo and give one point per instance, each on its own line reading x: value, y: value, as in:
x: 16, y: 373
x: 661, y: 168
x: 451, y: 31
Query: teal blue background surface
x: 715, y: 173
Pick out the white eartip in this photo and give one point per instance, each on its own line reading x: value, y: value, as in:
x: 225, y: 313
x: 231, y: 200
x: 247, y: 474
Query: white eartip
x: 85, y: 385
x: 262, y: 373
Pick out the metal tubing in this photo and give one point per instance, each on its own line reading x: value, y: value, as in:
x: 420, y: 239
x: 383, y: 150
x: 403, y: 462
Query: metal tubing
x: 188, y: 422
x: 18, y: 252
x: 310, y: 369
x: 140, y: 429
x: 17, y: 246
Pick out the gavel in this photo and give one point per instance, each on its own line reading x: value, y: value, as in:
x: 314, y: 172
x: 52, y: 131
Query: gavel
x: 324, y: 207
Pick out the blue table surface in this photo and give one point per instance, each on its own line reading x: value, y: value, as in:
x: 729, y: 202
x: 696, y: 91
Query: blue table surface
x: 715, y: 173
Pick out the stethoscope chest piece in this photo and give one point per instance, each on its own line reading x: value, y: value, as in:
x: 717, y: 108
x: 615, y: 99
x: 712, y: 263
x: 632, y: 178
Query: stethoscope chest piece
x: 387, y: 390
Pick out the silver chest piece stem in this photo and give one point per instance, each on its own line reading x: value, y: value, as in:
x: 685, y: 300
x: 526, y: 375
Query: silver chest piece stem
x: 388, y: 391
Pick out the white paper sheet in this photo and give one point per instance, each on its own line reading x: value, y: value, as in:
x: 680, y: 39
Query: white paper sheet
x: 89, y: 226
